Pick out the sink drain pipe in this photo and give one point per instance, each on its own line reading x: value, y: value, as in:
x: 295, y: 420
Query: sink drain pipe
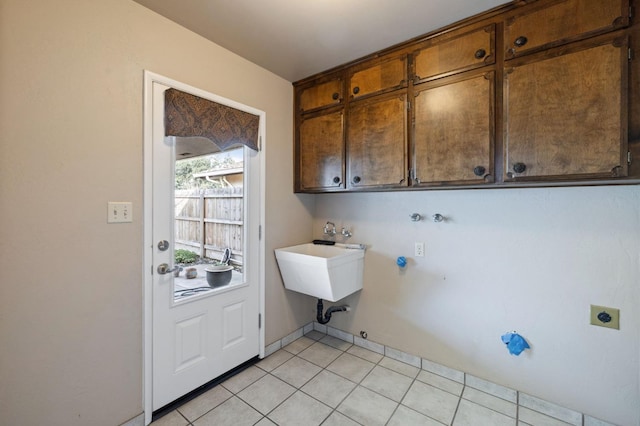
x: 327, y: 315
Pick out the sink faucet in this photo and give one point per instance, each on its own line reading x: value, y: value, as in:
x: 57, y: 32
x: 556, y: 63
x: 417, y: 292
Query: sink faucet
x: 329, y: 231
x: 345, y: 233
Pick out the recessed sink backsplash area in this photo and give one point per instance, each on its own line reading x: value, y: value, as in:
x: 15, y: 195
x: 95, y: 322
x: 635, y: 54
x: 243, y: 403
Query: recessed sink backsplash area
x: 530, y: 260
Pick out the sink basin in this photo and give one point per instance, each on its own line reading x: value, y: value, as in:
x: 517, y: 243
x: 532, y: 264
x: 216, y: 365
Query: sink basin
x: 325, y: 272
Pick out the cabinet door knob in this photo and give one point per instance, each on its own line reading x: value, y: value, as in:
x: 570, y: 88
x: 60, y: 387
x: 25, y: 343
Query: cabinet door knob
x: 356, y: 179
x: 335, y: 96
x: 480, y: 53
x: 356, y: 90
x: 479, y: 170
x: 521, y: 41
x: 336, y: 180
x: 519, y: 167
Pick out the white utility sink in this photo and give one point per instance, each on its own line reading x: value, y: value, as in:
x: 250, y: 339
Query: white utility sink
x: 325, y: 272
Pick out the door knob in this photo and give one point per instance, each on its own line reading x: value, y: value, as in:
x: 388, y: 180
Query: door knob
x: 163, y: 269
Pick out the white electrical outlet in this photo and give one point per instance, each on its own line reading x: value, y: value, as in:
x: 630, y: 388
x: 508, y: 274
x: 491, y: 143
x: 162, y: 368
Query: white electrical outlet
x: 119, y: 212
x: 419, y: 250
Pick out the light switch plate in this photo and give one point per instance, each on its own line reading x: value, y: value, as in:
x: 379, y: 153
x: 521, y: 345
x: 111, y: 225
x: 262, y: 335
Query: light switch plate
x: 119, y: 212
x: 605, y: 317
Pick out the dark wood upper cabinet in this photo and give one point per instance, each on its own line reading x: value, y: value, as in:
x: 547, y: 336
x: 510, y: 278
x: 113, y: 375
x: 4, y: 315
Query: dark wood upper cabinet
x: 468, y: 51
x: 531, y: 93
x: 545, y: 25
x: 377, y: 142
x: 566, y: 112
x: 453, y: 131
x: 320, y: 152
x: 377, y: 76
x: 321, y: 95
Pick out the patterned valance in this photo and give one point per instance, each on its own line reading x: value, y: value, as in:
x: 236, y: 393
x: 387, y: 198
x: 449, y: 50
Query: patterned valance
x: 188, y: 115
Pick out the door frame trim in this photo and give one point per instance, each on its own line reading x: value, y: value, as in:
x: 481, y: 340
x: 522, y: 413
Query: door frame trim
x: 147, y: 249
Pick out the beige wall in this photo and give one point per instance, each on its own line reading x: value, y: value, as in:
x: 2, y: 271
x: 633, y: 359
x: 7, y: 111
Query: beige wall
x: 530, y: 260
x: 71, y: 74
x: 71, y: 285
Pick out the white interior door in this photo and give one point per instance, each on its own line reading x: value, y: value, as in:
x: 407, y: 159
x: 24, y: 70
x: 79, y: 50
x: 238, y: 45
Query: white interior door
x: 197, y: 336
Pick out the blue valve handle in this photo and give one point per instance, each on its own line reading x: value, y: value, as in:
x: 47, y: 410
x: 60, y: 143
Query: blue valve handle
x: 401, y: 261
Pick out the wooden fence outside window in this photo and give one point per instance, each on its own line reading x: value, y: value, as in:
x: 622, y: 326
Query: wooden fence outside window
x: 209, y: 220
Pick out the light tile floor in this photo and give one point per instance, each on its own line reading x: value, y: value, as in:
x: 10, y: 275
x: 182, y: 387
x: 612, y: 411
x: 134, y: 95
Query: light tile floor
x: 320, y: 380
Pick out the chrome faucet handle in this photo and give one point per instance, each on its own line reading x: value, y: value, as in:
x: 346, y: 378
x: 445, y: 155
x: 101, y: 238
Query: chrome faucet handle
x: 328, y: 231
x: 345, y: 232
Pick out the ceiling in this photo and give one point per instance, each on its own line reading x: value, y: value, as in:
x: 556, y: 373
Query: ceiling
x: 298, y: 38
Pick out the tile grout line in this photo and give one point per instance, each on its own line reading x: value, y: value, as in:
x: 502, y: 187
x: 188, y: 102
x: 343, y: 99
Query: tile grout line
x: 236, y: 394
x: 208, y: 411
x: 296, y: 391
x: 460, y: 397
x: 414, y: 379
x: 350, y: 392
x: 319, y: 336
x: 299, y: 389
x: 346, y: 397
x: 455, y: 412
x: 333, y: 410
x: 377, y: 364
x: 314, y: 327
x: 403, y: 396
x: 517, y: 407
x: 184, y: 417
x: 359, y: 383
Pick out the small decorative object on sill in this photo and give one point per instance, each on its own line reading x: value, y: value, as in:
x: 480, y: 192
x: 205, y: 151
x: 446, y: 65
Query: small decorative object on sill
x: 191, y: 273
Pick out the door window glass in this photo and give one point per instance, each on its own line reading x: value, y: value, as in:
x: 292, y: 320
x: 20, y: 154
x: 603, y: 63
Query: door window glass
x: 208, y: 218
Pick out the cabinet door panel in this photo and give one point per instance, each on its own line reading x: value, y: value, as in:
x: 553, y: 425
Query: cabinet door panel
x: 454, y: 132
x: 380, y: 77
x: 468, y: 51
x: 321, y: 95
x: 565, y: 21
x: 321, y: 152
x: 566, y: 116
x: 376, y: 143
